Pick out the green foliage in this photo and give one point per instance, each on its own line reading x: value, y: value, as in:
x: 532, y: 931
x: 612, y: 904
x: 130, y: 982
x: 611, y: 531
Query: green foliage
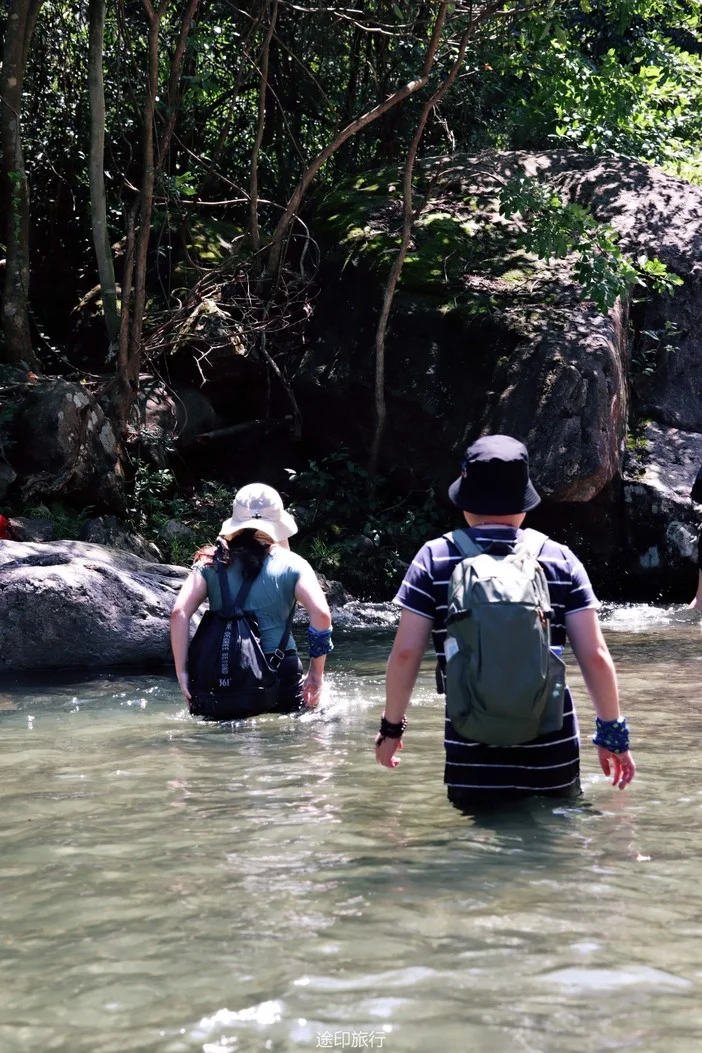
x: 620, y: 77
x: 652, y: 344
x: 347, y: 531
x: 364, y: 535
x: 152, y: 498
x: 442, y: 246
x: 156, y: 497
x: 67, y: 520
x: 637, y: 448
x: 554, y: 230
x: 612, y: 76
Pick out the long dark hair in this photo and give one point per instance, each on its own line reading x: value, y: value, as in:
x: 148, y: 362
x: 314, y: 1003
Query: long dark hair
x: 245, y: 546
x: 250, y: 550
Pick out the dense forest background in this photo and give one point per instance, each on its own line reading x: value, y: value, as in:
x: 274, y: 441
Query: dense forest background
x: 162, y: 163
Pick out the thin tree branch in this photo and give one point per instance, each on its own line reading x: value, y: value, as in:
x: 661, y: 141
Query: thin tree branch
x: 254, y: 231
x: 408, y: 220
x: 173, y: 95
x: 276, y: 244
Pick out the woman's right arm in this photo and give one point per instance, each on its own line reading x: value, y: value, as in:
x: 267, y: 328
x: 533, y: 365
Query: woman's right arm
x: 193, y: 592
x: 310, y: 594
x: 696, y: 603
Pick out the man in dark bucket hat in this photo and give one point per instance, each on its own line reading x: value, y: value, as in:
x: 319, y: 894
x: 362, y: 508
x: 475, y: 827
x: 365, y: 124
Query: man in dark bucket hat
x: 494, y: 492
x: 494, y: 478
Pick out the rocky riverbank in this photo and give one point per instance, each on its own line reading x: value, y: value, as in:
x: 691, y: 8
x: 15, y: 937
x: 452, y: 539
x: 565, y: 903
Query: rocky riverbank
x: 76, y: 605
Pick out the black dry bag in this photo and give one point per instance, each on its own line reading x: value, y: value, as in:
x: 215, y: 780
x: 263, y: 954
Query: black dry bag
x: 229, y: 676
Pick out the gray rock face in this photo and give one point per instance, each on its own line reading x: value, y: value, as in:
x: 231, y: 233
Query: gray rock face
x: 24, y: 529
x: 7, y: 477
x: 494, y: 341
x: 484, y: 338
x: 660, y: 216
x: 108, y: 531
x: 171, y: 417
x: 565, y: 393
x: 662, y: 526
x: 70, y: 604
x: 64, y: 445
x: 74, y: 605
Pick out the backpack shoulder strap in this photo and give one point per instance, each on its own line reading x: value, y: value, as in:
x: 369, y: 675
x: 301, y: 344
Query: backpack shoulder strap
x: 532, y: 542
x: 228, y: 608
x: 279, y: 653
x: 464, y: 543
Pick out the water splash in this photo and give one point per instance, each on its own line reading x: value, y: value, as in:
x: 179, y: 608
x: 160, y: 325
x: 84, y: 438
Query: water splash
x: 359, y: 615
x: 646, y: 617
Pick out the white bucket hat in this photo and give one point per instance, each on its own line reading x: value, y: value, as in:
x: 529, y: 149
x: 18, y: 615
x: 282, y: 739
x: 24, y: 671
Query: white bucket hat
x: 259, y: 507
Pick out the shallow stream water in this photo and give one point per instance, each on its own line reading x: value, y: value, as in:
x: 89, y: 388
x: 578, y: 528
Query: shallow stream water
x: 172, y: 886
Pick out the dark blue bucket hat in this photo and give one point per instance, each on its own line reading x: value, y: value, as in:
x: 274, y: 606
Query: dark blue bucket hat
x: 494, y: 478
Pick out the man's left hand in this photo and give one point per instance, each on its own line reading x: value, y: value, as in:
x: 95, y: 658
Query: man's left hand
x: 385, y: 752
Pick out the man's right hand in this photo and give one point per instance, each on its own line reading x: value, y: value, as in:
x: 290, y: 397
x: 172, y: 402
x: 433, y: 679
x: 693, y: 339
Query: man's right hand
x: 619, y: 765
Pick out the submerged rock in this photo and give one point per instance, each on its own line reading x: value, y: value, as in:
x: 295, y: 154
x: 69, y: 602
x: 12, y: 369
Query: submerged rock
x: 357, y: 614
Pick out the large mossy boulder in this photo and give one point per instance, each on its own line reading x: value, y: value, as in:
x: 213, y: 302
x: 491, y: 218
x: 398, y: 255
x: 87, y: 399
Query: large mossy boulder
x: 482, y: 337
x: 485, y: 337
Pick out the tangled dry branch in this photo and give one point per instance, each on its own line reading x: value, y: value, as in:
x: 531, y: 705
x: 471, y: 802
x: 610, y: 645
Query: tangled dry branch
x: 232, y: 310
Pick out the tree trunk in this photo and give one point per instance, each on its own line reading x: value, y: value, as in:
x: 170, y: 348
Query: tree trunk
x: 408, y: 221
x: 132, y: 318
x: 98, y: 200
x: 19, y: 27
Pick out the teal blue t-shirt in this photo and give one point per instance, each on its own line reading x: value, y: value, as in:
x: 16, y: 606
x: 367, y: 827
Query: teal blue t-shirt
x: 272, y: 594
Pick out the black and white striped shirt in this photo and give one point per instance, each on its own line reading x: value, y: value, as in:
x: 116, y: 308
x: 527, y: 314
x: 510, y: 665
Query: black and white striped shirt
x: 549, y: 762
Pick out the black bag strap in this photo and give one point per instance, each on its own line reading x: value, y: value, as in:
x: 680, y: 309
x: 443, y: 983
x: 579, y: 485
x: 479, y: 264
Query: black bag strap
x: 279, y: 654
x: 469, y: 548
x: 532, y: 541
x: 230, y: 610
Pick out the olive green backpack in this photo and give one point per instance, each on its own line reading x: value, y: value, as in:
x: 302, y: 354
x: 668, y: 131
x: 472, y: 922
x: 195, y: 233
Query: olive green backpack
x: 504, y: 684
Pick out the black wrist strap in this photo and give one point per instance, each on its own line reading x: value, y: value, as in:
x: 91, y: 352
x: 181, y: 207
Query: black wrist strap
x: 388, y: 730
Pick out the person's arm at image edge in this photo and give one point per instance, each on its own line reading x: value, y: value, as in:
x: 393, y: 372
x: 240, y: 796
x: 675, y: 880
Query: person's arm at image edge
x: 193, y: 592
x: 310, y: 594
x: 403, y: 666
x: 596, y: 665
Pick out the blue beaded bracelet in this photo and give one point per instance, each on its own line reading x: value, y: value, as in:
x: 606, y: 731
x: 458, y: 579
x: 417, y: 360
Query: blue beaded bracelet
x: 319, y: 642
x: 612, y: 735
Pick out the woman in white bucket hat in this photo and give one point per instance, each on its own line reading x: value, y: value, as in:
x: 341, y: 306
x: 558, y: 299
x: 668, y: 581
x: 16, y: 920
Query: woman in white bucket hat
x: 254, y: 544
